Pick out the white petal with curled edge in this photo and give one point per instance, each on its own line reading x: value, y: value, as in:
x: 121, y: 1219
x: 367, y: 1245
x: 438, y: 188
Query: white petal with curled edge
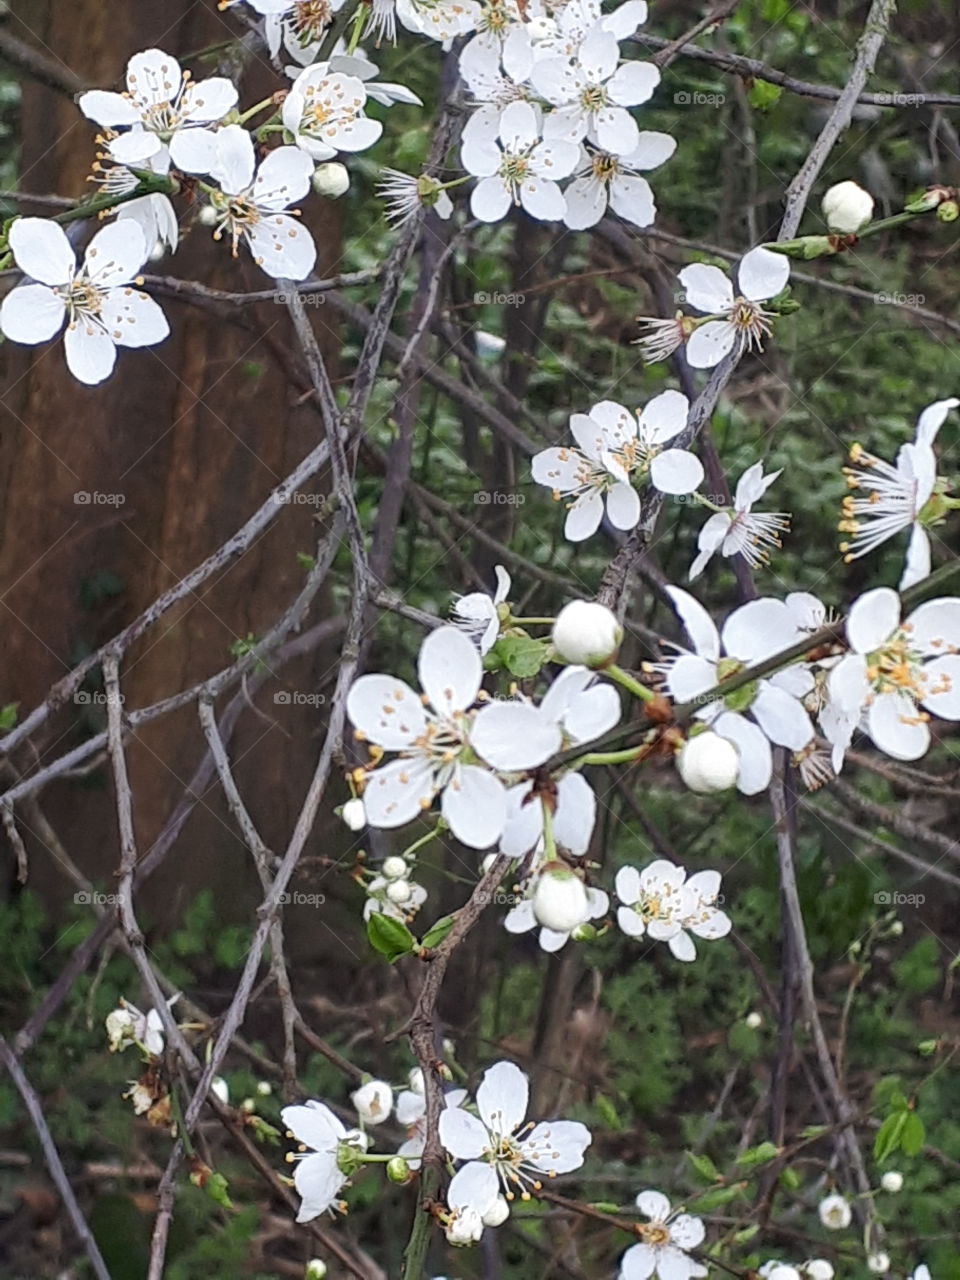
x: 808, y: 610
x: 586, y: 203
x: 133, y: 319
x: 690, y: 676
x: 210, y: 100
x: 894, y: 724
x: 759, y: 629
x: 756, y: 758
x: 318, y: 1181
x: 781, y: 717
x: 917, y: 566
x: 663, y: 417
x: 706, y: 288
x: 654, y: 150
x: 42, y: 251
x: 503, y: 584
x: 709, y: 343
x: 592, y: 713
x: 654, y: 1205
x: 450, y: 670
x: 475, y: 807
x: 682, y: 947
x: 109, y: 109
x: 935, y: 625
x: 568, y: 685
x: 557, y: 1145
x: 474, y: 1186
x: 523, y: 826
x: 631, y: 84
x: 943, y: 687
x: 154, y: 77
x: 115, y: 254
x: 847, y: 684
x: 627, y: 885
x: 676, y: 471
x: 513, y: 736
x: 632, y: 198
x: 550, y: 940
x: 763, y: 274
x: 933, y: 418
x: 314, y: 1125
x: 576, y: 814
x: 615, y: 130
x: 917, y: 463
x: 638, y: 1263
x: 386, y: 710
x: 697, y: 623
x: 462, y: 1134
x: 752, y: 485
x: 490, y: 200
x: 558, y: 468
x: 31, y: 313
x: 90, y: 353
x: 583, y: 518
x: 398, y: 792
x: 873, y: 619
x: 623, y: 506
x: 687, y: 1231
x: 631, y: 924
x: 542, y: 199
x: 705, y: 885
x: 710, y: 539
x: 194, y: 150
x: 503, y: 1097
x: 520, y: 919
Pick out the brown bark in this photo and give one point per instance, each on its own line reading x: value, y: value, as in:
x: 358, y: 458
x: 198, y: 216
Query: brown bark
x: 190, y: 436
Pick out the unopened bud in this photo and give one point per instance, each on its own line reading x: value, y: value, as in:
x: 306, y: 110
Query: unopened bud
x: 331, y: 180
x: 373, y: 1101
x: 754, y: 1020
x: 847, y: 208
x: 948, y: 211
x: 465, y: 1227
x: 399, y: 891
x: 560, y: 899
x: 394, y: 868
x: 878, y: 1263
x: 892, y: 1181
x: 818, y: 1269
x: 587, y: 634
x: 316, y: 1270
x: 398, y: 1171
x: 708, y: 763
x: 354, y: 814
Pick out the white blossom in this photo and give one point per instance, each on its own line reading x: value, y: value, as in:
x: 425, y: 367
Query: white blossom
x: 353, y: 814
x: 317, y: 1177
x: 524, y: 916
x: 602, y: 178
x: 515, y: 167
x: 478, y: 613
x: 665, y: 1241
x: 101, y: 303
x: 743, y: 531
x: 892, y: 1181
x: 835, y: 1212
x: 324, y: 111
x: 878, y: 1263
x: 373, y: 1101
x: 662, y: 903
x: 739, y: 322
x: 405, y: 196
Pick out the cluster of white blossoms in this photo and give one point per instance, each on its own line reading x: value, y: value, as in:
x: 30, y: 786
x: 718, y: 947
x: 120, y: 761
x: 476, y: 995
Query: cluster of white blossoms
x: 662, y: 904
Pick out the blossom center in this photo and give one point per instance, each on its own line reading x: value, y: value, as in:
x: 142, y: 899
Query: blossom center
x: 82, y: 298
x: 656, y: 1234
x: 594, y: 97
x: 310, y: 19
x: 605, y: 167
x: 751, y: 322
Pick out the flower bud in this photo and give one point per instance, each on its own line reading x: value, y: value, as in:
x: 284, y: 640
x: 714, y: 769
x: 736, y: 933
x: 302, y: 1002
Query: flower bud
x: 220, y: 1089
x: 498, y: 1212
x: 584, y: 933
x: 120, y: 1026
x: 892, y: 1181
x: 399, y: 891
x: 316, y: 1270
x: 394, y: 868
x: 264, y: 1088
x: 560, y: 899
x: 331, y: 180
x: 398, y: 1171
x: 847, y: 208
x: 373, y: 1101
x: 818, y: 1269
x: 586, y: 633
x: 896, y: 928
x: 207, y: 217
x: 782, y: 1271
x: 708, y: 763
x: 354, y: 814
x: 754, y: 1020
x: 878, y: 1263
x: 248, y: 1106
x: 465, y: 1226
x: 947, y: 211
x: 835, y: 1213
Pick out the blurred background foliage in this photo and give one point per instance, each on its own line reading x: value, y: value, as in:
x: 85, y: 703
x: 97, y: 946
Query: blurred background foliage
x: 657, y: 1057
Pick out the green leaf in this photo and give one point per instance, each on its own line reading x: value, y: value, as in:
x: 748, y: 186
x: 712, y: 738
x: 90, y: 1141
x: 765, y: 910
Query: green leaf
x: 216, y: 1189
x: 765, y: 1152
x: 889, y: 1136
x: 522, y: 655
x: 790, y: 1179
x: 608, y: 1112
x: 913, y: 1136
x: 764, y: 95
x: 8, y: 715
x: 390, y: 937
x: 705, y: 1167
x: 716, y: 1197
x: 437, y: 932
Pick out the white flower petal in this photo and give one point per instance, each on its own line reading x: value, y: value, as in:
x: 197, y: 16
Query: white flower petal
x: 462, y: 1134
x: 42, y: 251
x: 781, y: 717
x: 194, y: 150
x: 110, y: 109
x: 943, y: 682
x: 763, y: 274
x: 895, y: 726
x: 490, y: 200
x: 235, y: 159
x: 557, y: 1145
x: 631, y: 84
x: 638, y: 1263
x: 503, y: 1097
x: 676, y: 471
x: 709, y: 343
x: 282, y: 247
x: 576, y: 814
x: 935, y: 625
x: 386, y: 710
x: 933, y: 418
x: 706, y: 288
x: 90, y: 353
x: 631, y: 924
x: 586, y: 203
x: 584, y: 517
x: 873, y: 619
x: 682, y: 947
x: 623, y: 506
x: 756, y: 758
x: 759, y: 629
x: 520, y: 919
x: 690, y: 676
x: 697, y: 623
x: 654, y: 1205
x: 133, y: 319
x: 513, y: 736
x: 917, y: 565
x: 115, y: 254
x: 475, y: 1186
x: 31, y: 313
x: 398, y: 792
x: 474, y: 804
x: 627, y: 885
x: 450, y: 670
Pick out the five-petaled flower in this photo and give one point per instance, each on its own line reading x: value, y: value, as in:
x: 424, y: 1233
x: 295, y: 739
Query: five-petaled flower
x: 742, y: 531
x: 661, y: 903
x: 665, y: 1241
